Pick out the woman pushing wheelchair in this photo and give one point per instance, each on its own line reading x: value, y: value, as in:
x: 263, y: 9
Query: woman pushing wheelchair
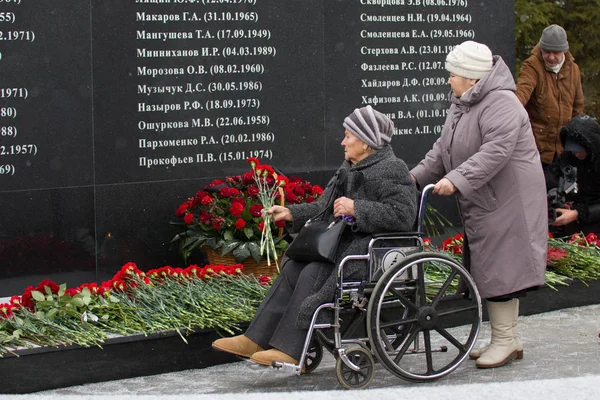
x: 374, y: 189
x: 486, y: 155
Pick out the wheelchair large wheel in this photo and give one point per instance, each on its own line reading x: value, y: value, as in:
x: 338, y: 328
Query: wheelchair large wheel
x: 419, y: 325
x: 351, y: 379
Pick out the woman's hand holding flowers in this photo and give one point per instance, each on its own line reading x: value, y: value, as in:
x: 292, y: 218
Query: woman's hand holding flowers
x: 280, y: 213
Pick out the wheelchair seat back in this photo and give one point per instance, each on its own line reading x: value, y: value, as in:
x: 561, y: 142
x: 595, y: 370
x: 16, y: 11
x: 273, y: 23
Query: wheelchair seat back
x: 388, y: 252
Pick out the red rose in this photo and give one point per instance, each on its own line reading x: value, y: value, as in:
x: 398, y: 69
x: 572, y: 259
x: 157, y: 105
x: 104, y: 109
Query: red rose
x: 51, y: 285
x: 225, y: 191
x: 236, y: 209
x: 261, y: 226
x: 189, y: 218
x: 310, y: 199
x: 27, y: 299
x: 195, y: 202
x: 256, y: 210
x: 205, y: 218
x: 280, y: 224
x: 290, y: 197
x: 252, y: 191
x: 182, y: 209
x: 72, y: 291
x: 217, y: 222
x: 317, y: 190
x: 239, y: 200
x: 247, y: 178
x: 233, y: 180
x: 206, y: 200
x: 298, y: 191
x: 240, y: 224
x: 201, y: 194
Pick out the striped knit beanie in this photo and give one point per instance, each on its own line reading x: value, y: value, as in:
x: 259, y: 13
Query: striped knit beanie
x: 370, y: 126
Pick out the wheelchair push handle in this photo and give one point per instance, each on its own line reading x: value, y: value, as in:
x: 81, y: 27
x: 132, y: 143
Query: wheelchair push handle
x: 427, y: 190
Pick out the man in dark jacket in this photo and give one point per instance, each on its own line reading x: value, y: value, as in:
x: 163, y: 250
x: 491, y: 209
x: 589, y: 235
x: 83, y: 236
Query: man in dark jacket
x: 549, y: 86
x: 581, y: 141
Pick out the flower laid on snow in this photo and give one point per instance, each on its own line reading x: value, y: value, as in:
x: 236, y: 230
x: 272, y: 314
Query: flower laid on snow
x: 132, y: 302
x: 574, y: 258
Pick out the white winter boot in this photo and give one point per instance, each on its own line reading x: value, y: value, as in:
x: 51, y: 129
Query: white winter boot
x: 503, y: 347
x: 475, y: 354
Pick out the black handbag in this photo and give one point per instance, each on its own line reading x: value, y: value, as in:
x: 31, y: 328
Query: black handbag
x: 318, y: 240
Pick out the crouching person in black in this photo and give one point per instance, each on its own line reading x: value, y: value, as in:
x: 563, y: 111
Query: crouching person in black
x: 581, y: 211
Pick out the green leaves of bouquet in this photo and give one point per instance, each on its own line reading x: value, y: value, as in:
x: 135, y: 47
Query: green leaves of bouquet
x: 227, y: 215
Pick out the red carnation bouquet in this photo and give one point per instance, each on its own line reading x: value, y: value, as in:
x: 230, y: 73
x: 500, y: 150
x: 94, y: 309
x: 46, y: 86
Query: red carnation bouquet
x: 227, y: 215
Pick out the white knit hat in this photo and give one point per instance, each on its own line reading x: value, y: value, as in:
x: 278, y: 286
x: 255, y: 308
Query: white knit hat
x: 470, y: 60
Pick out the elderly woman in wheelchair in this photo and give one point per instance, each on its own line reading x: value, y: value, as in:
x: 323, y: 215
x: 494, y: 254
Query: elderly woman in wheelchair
x: 373, y: 187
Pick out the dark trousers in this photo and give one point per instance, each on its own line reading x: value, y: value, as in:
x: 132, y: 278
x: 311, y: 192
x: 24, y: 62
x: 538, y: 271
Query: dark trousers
x: 274, y: 324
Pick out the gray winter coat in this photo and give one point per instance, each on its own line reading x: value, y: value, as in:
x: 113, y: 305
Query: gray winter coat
x: 385, y: 200
x: 487, y: 150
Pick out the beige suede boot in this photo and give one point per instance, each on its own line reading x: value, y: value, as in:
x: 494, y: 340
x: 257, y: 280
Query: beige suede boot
x: 239, y: 345
x: 475, y: 354
x: 268, y: 356
x: 503, y: 347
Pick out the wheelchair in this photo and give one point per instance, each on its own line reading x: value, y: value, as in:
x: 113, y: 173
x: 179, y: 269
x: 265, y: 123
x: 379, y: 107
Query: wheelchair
x: 400, y: 316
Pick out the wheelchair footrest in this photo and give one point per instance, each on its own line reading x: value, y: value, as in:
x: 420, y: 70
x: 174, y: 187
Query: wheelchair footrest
x: 287, y: 367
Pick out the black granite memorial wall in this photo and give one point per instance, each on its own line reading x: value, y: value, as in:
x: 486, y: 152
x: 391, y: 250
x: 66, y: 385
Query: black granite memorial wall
x: 113, y: 112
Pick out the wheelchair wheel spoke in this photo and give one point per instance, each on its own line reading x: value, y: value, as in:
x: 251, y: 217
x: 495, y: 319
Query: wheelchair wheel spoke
x: 421, y: 283
x: 411, y: 338
x: 428, y: 351
x: 458, y: 310
x: 443, y: 289
x: 397, y: 323
x: 404, y: 300
x: 450, y: 338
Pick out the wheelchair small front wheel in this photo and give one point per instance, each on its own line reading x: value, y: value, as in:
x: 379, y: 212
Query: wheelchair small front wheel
x: 351, y: 379
x: 314, y: 355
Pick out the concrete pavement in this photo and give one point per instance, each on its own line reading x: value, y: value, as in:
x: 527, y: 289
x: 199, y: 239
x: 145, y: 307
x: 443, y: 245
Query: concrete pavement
x: 562, y: 358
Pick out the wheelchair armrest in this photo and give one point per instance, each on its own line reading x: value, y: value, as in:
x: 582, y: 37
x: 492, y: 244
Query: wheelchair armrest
x: 396, y: 234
